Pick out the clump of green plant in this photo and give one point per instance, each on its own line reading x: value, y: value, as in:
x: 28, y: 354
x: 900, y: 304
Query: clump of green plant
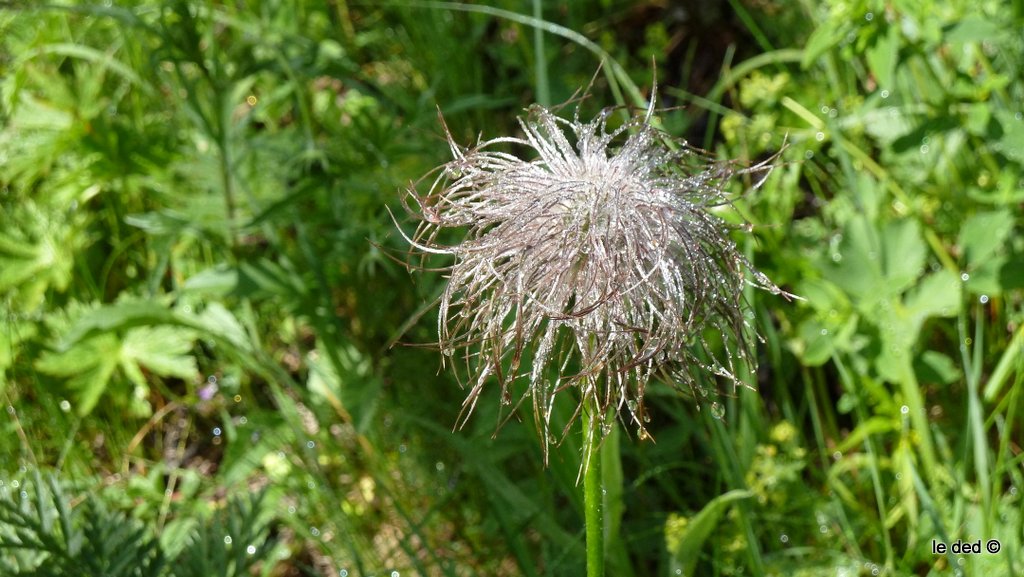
x: 44, y: 532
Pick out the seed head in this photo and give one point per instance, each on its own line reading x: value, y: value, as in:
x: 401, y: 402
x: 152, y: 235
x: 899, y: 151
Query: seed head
x: 594, y: 265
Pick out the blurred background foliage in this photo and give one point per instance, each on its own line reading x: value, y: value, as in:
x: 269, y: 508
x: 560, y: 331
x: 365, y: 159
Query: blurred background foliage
x: 203, y: 289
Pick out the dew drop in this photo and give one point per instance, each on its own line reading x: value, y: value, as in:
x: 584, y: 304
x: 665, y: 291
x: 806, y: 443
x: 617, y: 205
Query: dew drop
x: 824, y: 332
x: 884, y: 94
x: 65, y: 405
x: 343, y: 573
x: 227, y: 539
x: 869, y: 16
x: 251, y: 549
x: 717, y: 410
x: 314, y: 531
x: 310, y: 444
x: 819, y: 136
x: 965, y: 277
x: 784, y: 538
x: 983, y: 299
x: 216, y: 431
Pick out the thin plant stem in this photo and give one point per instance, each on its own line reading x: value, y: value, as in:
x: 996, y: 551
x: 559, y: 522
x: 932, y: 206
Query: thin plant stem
x: 593, y: 490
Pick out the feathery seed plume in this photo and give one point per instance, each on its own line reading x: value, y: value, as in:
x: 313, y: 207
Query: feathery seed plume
x: 596, y: 264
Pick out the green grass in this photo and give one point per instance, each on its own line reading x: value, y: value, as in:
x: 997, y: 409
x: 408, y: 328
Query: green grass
x: 202, y: 288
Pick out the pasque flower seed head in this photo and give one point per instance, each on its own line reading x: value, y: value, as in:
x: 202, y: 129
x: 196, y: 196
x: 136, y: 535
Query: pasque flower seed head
x: 594, y: 264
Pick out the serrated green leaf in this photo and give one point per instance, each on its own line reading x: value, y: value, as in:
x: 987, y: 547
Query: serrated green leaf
x: 859, y: 268
x: 163, y: 350
x: 937, y: 295
x: 88, y: 367
x: 222, y: 323
x: 904, y: 254
x: 115, y: 317
x: 817, y: 345
x: 982, y: 234
x: 117, y: 336
x: 36, y: 254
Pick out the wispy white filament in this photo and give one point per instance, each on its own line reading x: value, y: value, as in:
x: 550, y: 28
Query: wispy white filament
x: 596, y: 265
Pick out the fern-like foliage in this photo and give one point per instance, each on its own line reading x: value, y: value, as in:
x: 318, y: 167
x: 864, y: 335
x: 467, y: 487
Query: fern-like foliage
x: 230, y: 544
x: 43, y: 535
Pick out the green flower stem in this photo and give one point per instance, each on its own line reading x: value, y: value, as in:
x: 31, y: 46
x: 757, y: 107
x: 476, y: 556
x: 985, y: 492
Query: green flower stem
x: 593, y: 490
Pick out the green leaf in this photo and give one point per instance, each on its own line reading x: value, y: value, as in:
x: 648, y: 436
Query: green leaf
x: 822, y: 40
x: 36, y: 254
x: 163, y: 350
x: 120, y: 336
x: 973, y: 28
x: 119, y: 316
x: 685, y: 548
x: 904, y: 254
x: 937, y: 295
x: 883, y: 55
x: 983, y: 234
x: 344, y: 380
x: 933, y: 367
x: 1011, y: 144
x: 858, y: 270
x: 88, y: 367
x: 219, y: 280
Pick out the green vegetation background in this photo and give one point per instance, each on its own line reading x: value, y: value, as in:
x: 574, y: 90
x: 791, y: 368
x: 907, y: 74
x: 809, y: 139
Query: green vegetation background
x: 200, y: 302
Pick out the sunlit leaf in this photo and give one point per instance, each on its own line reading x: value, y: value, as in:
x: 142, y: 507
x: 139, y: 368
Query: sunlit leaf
x: 685, y: 545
